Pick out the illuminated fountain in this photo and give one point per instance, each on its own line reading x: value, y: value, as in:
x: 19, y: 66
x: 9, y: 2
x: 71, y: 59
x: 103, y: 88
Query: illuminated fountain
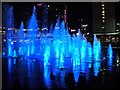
x: 32, y: 33
x: 21, y: 39
x: 63, y: 49
x: 9, y: 24
x: 96, y: 48
x: 110, y: 56
x: 110, y: 51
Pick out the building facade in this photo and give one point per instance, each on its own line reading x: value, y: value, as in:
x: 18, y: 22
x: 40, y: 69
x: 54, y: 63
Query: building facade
x: 103, y: 15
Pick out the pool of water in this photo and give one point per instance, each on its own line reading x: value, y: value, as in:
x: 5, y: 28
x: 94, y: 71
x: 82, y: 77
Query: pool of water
x: 21, y: 72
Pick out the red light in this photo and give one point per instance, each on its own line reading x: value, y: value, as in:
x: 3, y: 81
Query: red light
x: 40, y: 4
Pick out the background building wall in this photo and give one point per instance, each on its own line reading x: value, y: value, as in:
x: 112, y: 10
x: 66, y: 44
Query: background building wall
x: 109, y: 25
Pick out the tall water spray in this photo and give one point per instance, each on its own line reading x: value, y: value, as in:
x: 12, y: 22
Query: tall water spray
x: 32, y: 33
x: 110, y: 56
x: 61, y: 48
x: 110, y: 51
x: 96, y: 48
x: 21, y: 40
x: 9, y: 23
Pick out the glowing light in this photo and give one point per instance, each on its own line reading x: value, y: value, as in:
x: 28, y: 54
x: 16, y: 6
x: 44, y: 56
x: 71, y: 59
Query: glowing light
x: 14, y: 61
x: 44, y: 29
x: 97, y: 66
x: 103, y: 11
x: 9, y: 64
x: 118, y: 24
x: 77, y: 34
x: 110, y: 52
x: 103, y: 20
x: 47, y: 76
x: 55, y: 47
x: 96, y: 48
x: 4, y: 40
x: 103, y: 5
x: 76, y: 74
x: 85, y: 25
x: 48, y: 5
x: 46, y: 55
x: 83, y: 49
x: 103, y: 14
x: 103, y: 17
x: 14, y: 54
x: 57, y: 27
x: 87, y: 33
x: 73, y: 30
x: 40, y: 4
x: 103, y: 8
x: 12, y: 43
x: 117, y: 61
x: 103, y: 27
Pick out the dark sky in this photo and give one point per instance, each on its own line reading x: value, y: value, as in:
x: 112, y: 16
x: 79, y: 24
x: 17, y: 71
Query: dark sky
x: 82, y: 10
x: 76, y: 10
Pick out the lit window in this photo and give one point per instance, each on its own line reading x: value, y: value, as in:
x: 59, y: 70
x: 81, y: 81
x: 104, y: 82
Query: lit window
x: 103, y: 21
x: 87, y: 33
x: 56, y: 9
x: 103, y: 27
x: 73, y: 30
x: 103, y: 11
x: 103, y: 5
x: 118, y: 24
x: 103, y: 14
x: 103, y: 8
x: 103, y: 17
x: 48, y: 5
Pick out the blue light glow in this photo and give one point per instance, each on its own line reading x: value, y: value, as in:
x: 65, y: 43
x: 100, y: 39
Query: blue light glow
x: 97, y: 66
x: 110, y: 52
x: 14, y: 61
x: 9, y: 47
x: 76, y: 71
x: 54, y: 49
x: 110, y: 57
x: 14, y: 54
x: 47, y: 77
x: 96, y: 48
x: 46, y: 55
x: 9, y: 64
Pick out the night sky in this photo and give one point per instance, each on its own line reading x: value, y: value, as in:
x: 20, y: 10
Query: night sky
x: 76, y: 10
x: 80, y: 11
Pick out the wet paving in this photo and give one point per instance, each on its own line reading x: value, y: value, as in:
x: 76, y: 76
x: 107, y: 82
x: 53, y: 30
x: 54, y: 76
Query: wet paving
x: 26, y: 73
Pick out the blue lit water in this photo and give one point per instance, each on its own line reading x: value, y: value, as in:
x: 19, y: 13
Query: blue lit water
x: 22, y: 72
x: 62, y: 45
x: 62, y: 61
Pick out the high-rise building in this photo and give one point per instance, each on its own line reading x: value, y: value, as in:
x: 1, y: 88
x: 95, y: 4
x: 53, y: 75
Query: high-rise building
x: 103, y: 17
x: 117, y: 16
